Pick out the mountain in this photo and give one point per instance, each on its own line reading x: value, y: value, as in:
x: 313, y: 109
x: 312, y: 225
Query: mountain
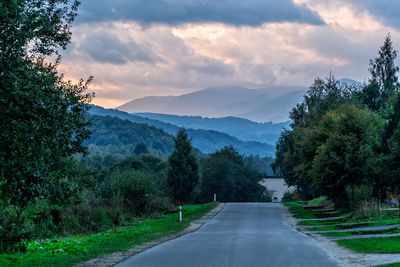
x: 223, y: 101
x: 206, y: 141
x: 242, y: 129
x: 260, y: 105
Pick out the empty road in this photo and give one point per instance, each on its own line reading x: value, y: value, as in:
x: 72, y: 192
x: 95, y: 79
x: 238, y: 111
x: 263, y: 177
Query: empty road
x: 242, y: 234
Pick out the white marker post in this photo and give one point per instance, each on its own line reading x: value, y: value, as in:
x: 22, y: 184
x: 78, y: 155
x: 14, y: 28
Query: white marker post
x: 215, y: 197
x: 180, y: 213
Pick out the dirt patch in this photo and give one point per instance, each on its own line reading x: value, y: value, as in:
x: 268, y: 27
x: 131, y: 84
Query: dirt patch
x: 117, y: 257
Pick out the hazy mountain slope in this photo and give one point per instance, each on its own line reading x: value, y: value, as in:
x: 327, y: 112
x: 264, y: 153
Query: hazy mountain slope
x: 260, y: 105
x: 263, y: 108
x: 206, y: 141
x: 210, y: 102
x: 241, y: 128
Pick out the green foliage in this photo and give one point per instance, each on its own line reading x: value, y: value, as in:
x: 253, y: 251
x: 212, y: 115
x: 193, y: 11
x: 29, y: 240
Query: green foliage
x: 140, y: 149
x: 383, y: 78
x: 41, y: 116
x: 288, y: 196
x: 129, y: 189
x: 123, y: 138
x: 226, y: 174
x: 345, y: 137
x: 183, y: 169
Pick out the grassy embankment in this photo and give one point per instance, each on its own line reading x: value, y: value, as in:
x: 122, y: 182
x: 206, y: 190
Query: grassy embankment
x: 69, y: 251
x: 362, y: 245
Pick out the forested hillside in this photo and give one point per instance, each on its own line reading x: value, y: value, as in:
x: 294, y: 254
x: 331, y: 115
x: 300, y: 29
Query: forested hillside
x: 240, y: 128
x: 120, y: 137
x: 205, y: 140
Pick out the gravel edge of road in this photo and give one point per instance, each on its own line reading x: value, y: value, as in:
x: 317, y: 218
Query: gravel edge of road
x: 117, y: 257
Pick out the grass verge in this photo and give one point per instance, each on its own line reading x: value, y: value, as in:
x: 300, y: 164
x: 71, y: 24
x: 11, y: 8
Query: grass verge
x: 298, y: 211
x: 372, y: 245
x: 364, y: 232
x: 356, y: 224
x: 72, y: 250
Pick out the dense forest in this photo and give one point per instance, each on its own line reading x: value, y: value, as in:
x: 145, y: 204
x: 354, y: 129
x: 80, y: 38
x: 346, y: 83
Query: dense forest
x: 344, y: 141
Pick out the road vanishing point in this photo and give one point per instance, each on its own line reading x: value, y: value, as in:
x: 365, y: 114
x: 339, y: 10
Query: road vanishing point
x: 242, y: 234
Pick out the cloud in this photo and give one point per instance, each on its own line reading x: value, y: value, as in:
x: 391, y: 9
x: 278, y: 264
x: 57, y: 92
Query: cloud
x: 386, y: 11
x: 176, y: 12
x: 106, y: 47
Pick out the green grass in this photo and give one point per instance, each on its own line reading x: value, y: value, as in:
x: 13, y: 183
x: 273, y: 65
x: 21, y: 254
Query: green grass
x: 318, y: 201
x: 326, y: 222
x: 359, y: 223
x: 72, y: 250
x: 372, y: 245
x: 364, y: 232
x: 396, y: 264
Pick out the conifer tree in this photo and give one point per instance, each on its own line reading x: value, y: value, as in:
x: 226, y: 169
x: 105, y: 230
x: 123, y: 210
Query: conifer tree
x: 183, y: 169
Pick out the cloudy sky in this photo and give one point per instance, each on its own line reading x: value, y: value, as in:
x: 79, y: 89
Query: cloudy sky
x: 136, y: 48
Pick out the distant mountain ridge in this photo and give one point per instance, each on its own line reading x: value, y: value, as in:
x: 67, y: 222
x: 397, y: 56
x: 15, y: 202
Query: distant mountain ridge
x: 243, y: 129
x: 259, y: 105
x: 206, y: 141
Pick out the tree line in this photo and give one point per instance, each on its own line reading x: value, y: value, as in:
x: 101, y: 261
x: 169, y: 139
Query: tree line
x: 344, y: 139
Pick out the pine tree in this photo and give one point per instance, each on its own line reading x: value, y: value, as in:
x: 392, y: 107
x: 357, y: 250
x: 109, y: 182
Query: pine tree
x: 383, y: 78
x: 183, y: 169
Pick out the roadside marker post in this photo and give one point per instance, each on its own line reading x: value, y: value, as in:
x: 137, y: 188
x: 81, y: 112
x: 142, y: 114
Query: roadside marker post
x: 215, y: 197
x: 180, y: 213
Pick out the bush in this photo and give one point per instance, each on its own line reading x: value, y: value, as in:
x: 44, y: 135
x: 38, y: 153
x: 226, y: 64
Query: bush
x: 366, y: 210
x: 358, y: 194
x: 37, y: 220
x: 288, y: 196
x: 129, y: 189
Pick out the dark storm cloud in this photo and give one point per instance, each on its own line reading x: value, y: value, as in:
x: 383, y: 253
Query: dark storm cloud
x: 174, y: 12
x: 386, y: 11
x: 107, y: 47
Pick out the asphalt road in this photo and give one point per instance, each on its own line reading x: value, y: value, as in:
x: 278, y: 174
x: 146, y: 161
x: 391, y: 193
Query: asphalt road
x: 243, y: 234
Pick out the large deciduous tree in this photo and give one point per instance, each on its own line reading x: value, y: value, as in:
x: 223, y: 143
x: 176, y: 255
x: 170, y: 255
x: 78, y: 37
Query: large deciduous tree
x: 42, y: 118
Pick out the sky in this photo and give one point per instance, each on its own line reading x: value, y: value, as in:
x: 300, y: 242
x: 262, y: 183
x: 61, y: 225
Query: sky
x: 137, y: 48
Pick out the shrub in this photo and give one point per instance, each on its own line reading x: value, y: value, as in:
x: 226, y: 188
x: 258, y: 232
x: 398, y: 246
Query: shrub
x: 288, y: 196
x: 129, y: 189
x: 366, y: 209
x: 358, y: 194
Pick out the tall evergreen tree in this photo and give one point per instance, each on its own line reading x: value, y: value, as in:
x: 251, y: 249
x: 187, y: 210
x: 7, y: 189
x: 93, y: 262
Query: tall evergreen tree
x: 183, y: 169
x: 383, y: 78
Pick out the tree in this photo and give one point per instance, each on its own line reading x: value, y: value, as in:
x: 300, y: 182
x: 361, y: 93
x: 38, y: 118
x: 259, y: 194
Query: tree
x: 183, y: 169
x: 383, y: 78
x: 296, y: 148
x: 141, y: 149
x: 42, y: 117
x: 345, y: 156
x: 226, y: 174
